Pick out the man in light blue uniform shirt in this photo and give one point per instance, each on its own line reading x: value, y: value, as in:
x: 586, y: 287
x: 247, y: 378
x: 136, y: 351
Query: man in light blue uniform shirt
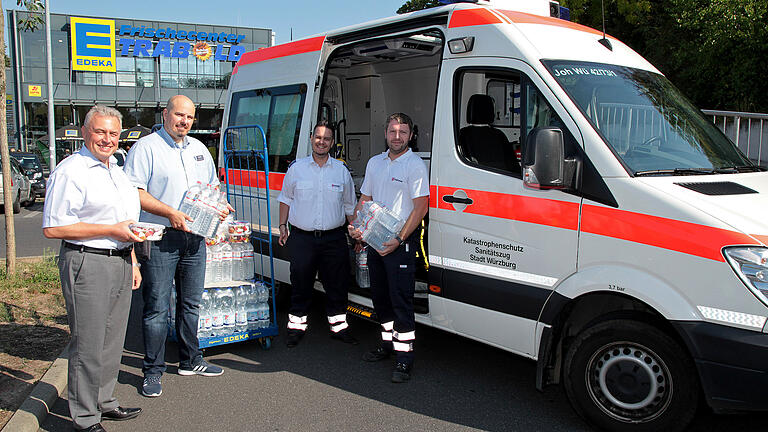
x: 164, y: 165
x: 89, y: 204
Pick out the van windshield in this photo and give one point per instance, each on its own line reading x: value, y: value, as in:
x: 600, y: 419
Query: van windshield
x: 648, y: 123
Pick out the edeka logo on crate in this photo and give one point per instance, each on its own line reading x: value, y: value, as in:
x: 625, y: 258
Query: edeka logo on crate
x: 236, y: 338
x: 93, y: 44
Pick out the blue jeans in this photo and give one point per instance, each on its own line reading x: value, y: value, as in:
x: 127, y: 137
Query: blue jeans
x: 180, y: 256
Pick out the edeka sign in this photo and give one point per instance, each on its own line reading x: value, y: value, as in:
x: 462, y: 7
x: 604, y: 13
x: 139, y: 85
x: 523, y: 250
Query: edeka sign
x: 185, y: 43
x: 201, y: 50
x: 93, y: 44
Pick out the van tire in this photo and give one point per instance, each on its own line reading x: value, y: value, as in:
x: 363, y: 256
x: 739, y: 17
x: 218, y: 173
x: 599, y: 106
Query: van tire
x: 609, y: 376
x: 17, y: 203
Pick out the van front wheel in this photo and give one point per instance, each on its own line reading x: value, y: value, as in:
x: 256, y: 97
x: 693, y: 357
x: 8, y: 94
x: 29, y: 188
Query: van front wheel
x: 623, y: 375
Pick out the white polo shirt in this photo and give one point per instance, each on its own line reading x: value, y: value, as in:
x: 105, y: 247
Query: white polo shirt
x: 319, y: 197
x: 166, y: 170
x: 395, y: 183
x: 83, y: 189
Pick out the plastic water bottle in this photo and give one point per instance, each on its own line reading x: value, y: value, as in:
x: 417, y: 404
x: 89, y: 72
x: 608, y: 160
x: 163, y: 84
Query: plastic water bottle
x: 189, y: 201
x: 246, y: 260
x: 250, y: 305
x: 226, y: 262
x: 377, y: 224
x: 237, y: 261
x: 241, y: 311
x: 263, y: 313
x: 214, y: 270
x: 204, y: 328
x: 228, y: 311
x: 208, y: 265
x: 217, y: 319
x: 262, y: 292
x: 361, y: 269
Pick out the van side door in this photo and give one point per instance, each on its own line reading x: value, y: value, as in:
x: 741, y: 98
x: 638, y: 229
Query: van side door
x: 502, y: 248
x: 274, y: 88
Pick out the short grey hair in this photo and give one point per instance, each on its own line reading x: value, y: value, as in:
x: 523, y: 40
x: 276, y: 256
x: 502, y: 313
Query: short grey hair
x: 104, y: 111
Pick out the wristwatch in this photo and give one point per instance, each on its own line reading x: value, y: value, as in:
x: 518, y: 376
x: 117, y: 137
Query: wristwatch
x: 399, y: 239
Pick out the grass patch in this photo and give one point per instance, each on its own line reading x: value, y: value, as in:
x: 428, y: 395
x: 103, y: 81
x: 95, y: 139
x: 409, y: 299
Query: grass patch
x: 33, y: 294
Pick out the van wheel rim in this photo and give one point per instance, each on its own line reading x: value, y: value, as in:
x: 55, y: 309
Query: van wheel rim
x: 629, y: 382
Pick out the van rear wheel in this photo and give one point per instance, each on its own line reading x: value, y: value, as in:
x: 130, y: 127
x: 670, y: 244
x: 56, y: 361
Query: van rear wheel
x: 624, y: 375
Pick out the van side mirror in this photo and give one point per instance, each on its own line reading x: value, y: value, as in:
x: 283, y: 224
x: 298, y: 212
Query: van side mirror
x: 544, y: 163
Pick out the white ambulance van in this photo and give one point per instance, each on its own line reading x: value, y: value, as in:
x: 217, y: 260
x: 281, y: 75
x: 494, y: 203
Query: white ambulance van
x: 583, y: 213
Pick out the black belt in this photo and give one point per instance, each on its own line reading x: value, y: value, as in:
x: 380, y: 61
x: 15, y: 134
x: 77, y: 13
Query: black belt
x: 319, y: 233
x: 108, y: 252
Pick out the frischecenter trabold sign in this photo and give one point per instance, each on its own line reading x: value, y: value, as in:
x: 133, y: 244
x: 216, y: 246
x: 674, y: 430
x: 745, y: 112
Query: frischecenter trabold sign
x: 95, y: 44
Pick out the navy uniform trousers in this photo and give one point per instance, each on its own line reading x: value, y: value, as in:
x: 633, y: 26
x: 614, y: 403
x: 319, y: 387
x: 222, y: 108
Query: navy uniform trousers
x: 392, y: 286
x: 328, y: 253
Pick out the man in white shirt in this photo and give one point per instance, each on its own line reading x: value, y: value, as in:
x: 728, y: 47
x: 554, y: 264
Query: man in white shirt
x: 398, y: 179
x: 164, y: 165
x: 89, y: 204
x: 318, y: 195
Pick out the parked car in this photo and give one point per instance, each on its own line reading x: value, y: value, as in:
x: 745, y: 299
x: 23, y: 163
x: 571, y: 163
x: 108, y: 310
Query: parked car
x: 21, y: 187
x: 33, y: 168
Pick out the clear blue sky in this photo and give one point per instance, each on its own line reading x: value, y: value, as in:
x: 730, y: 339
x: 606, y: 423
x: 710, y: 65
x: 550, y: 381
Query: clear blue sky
x: 306, y: 17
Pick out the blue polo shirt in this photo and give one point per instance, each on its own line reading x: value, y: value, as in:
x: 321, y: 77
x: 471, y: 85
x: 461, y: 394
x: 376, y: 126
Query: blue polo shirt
x: 166, y: 170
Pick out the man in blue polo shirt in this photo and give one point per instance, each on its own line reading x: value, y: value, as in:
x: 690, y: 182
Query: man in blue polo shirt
x: 164, y: 165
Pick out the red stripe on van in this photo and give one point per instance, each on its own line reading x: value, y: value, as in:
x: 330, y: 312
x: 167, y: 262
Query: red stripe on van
x: 540, y: 211
x: 255, y: 178
x: 432, y: 196
x: 282, y: 50
x: 686, y: 237
x: 526, y: 18
x: 472, y: 17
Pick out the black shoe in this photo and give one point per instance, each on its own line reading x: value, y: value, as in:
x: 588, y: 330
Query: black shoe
x: 377, y: 355
x: 402, y: 373
x: 121, y: 413
x: 345, y: 337
x: 293, y: 338
x: 95, y: 428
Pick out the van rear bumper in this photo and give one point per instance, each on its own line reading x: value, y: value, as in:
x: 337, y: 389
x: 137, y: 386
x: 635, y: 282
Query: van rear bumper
x: 732, y: 364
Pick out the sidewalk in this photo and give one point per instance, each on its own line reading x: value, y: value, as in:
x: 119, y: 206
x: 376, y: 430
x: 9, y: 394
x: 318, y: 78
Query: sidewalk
x: 37, y: 406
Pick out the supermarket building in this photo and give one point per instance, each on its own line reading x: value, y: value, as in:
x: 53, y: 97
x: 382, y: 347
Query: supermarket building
x: 132, y: 65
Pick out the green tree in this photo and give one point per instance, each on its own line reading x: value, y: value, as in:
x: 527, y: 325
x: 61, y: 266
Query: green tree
x: 10, y: 230
x: 414, y: 5
x: 711, y: 49
x: 722, y: 59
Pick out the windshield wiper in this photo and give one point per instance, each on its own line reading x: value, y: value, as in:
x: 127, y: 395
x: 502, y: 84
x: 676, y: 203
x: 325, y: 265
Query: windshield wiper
x: 677, y: 171
x: 749, y: 168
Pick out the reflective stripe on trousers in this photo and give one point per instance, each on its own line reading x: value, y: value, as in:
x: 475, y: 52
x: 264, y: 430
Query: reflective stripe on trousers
x: 386, y: 333
x: 297, y: 323
x: 403, y: 342
x: 338, y: 322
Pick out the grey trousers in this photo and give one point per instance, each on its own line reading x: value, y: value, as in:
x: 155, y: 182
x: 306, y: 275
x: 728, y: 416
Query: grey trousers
x: 97, y: 293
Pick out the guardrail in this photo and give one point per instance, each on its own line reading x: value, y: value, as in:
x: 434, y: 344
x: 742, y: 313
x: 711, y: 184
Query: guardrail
x: 749, y: 131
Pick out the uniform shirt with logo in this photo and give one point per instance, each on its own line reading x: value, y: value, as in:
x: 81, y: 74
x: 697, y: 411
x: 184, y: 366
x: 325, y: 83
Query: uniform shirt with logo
x: 395, y: 183
x: 84, y: 189
x: 166, y: 170
x: 319, y: 197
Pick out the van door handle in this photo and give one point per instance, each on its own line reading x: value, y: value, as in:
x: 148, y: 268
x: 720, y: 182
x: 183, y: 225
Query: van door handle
x: 456, y: 200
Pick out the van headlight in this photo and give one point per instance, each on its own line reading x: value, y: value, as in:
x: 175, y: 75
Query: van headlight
x: 751, y: 264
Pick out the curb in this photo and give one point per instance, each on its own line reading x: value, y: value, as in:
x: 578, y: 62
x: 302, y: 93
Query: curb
x: 36, y: 407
